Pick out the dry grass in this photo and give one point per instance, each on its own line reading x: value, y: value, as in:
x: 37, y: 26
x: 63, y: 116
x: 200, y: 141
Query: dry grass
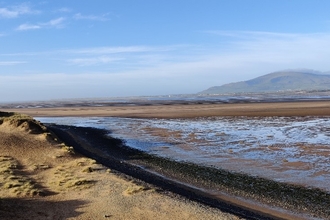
x: 134, y: 189
x: 15, y: 183
x: 68, y: 149
x: 72, y: 175
x: 23, y: 122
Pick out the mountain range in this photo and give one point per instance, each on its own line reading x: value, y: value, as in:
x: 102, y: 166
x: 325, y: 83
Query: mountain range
x: 287, y: 80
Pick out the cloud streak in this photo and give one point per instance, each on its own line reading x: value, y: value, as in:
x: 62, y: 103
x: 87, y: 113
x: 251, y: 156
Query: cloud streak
x: 54, y: 23
x: 26, y: 27
x: 141, y: 70
x: 111, y: 50
x: 93, y: 60
x: 58, y: 22
x: 243, y: 50
x: 64, y: 10
x: 79, y: 16
x: 129, y: 57
x: 11, y: 63
x: 16, y: 11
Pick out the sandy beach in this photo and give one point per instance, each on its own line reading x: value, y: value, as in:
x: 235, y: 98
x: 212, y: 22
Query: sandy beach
x: 84, y: 189
x: 42, y: 178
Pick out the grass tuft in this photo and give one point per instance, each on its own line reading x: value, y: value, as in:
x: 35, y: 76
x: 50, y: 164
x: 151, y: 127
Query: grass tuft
x: 13, y: 182
x: 23, y: 121
x: 134, y: 190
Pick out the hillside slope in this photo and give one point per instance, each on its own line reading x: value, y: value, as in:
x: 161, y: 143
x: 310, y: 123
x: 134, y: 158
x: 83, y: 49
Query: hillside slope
x: 277, y: 81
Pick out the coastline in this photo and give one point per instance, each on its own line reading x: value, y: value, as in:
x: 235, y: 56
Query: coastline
x: 179, y: 110
x: 199, y: 183
x: 43, y: 178
x: 237, y: 200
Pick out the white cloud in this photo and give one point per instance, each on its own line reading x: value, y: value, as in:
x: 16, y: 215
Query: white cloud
x: 79, y: 16
x: 172, y: 69
x: 286, y: 48
x: 135, y: 57
x: 252, y: 34
x: 64, y: 10
x: 16, y: 11
x: 11, y: 63
x: 93, y: 60
x: 128, y: 49
x: 57, y: 23
x: 276, y: 48
x: 111, y: 50
x: 26, y: 27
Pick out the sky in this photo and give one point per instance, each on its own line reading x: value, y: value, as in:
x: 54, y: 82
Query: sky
x: 115, y: 48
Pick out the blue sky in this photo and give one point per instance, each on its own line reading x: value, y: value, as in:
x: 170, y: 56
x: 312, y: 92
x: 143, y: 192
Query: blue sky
x: 109, y: 48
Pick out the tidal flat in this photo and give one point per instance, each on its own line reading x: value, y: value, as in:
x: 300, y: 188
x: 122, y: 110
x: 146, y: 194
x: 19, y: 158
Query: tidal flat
x: 241, y: 194
x: 294, y: 150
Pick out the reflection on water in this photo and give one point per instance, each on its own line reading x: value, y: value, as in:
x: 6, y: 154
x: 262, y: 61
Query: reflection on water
x: 289, y: 149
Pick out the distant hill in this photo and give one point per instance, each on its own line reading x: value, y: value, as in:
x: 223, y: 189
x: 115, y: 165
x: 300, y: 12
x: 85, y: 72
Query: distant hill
x: 289, y: 80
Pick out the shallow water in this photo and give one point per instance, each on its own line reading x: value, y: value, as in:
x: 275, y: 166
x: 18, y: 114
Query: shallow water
x: 286, y: 149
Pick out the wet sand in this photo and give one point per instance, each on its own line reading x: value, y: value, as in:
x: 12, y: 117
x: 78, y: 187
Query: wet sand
x: 183, y: 110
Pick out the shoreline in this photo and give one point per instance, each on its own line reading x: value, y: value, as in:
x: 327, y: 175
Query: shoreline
x: 191, y: 110
x: 191, y: 180
x: 183, y: 110
x: 43, y: 178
